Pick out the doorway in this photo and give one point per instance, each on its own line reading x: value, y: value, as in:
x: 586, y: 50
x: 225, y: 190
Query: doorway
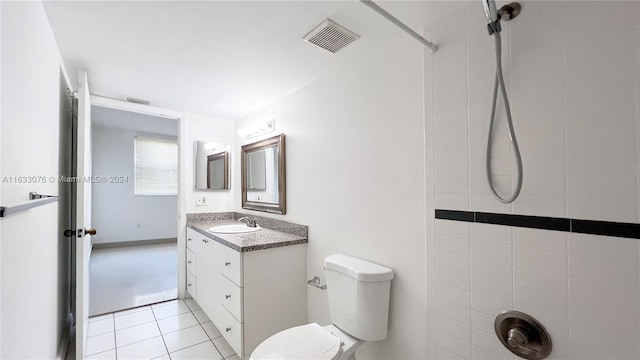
x: 134, y: 205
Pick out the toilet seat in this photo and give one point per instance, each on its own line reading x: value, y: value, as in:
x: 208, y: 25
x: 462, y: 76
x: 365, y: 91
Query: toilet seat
x: 309, y: 341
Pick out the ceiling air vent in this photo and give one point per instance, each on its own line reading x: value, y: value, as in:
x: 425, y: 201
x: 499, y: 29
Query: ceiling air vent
x: 330, y: 36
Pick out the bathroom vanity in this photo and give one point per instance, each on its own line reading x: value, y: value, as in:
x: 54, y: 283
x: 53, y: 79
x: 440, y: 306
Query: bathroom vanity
x: 251, y: 285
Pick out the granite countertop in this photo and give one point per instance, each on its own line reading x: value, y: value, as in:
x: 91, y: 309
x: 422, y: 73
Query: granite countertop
x: 263, y: 239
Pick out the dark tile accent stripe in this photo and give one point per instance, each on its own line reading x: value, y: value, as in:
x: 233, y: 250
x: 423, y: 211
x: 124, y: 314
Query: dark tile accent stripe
x: 535, y: 222
x: 607, y: 228
x: 592, y: 227
x: 455, y: 215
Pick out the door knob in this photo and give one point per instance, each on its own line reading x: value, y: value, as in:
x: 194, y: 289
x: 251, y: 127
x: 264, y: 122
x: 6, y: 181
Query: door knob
x: 79, y: 232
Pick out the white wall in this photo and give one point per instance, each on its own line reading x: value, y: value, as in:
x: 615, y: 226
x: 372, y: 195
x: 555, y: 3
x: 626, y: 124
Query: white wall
x: 355, y: 176
x: 572, y: 71
x: 29, y: 137
x: 208, y: 129
x: 117, y: 213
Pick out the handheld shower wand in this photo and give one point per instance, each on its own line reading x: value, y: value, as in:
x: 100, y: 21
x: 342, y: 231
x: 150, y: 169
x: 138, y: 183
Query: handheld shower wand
x: 491, y: 13
x: 493, y: 18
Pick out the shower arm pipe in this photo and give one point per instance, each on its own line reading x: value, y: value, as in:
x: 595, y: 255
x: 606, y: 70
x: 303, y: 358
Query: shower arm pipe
x: 433, y: 47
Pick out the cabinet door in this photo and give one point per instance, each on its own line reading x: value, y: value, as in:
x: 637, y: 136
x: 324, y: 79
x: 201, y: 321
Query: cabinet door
x: 208, y: 278
x: 192, y: 285
x: 192, y: 262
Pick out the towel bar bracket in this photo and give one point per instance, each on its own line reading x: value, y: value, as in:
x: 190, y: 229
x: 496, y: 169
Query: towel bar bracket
x: 35, y: 196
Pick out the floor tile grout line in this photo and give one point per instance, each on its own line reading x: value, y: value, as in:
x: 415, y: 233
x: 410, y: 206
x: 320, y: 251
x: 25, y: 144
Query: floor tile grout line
x: 188, y: 327
x: 161, y: 335
x: 139, y: 341
x: 131, y: 311
x: 190, y: 346
x: 174, y: 315
x: 205, y: 331
x: 147, y: 322
x: 143, y: 308
x: 210, y: 338
x: 129, y: 327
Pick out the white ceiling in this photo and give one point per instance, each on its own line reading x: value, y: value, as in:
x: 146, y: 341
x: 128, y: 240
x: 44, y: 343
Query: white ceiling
x: 220, y: 58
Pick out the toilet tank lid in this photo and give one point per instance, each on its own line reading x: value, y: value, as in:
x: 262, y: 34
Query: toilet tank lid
x: 358, y: 269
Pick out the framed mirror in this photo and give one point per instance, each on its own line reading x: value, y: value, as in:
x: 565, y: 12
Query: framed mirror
x: 263, y: 176
x: 211, y: 166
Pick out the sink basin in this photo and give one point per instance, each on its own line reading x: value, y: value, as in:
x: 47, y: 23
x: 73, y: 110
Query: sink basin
x: 233, y: 229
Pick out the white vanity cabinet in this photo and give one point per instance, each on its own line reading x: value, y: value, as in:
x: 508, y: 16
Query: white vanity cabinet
x: 248, y: 295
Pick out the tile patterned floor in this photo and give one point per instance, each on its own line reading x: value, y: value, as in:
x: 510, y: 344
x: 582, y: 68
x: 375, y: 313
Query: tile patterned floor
x: 129, y: 276
x: 171, y: 330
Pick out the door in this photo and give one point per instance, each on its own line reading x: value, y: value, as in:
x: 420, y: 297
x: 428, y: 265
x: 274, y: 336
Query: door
x: 83, y: 213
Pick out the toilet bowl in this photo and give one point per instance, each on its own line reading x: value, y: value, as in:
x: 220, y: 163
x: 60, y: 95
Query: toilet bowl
x: 358, y: 293
x: 310, y: 341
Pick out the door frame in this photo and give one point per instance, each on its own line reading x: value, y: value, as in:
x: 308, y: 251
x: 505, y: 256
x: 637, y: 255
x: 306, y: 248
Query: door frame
x: 181, y: 221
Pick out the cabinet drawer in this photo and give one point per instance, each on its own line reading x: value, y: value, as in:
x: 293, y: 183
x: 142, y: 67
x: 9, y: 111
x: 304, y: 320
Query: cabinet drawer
x: 192, y: 264
x: 192, y: 239
x: 231, y: 329
x: 230, y: 296
x: 192, y: 285
x: 229, y: 263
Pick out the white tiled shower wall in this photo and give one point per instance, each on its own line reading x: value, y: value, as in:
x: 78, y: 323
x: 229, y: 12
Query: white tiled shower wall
x: 572, y: 72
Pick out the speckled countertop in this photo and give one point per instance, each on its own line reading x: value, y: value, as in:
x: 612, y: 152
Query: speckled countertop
x: 263, y: 239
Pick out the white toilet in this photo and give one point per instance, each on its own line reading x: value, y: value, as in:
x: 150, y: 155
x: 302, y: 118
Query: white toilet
x: 358, y: 293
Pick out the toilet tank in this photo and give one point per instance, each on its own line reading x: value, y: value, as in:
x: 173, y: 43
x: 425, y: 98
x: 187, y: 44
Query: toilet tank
x: 358, y: 293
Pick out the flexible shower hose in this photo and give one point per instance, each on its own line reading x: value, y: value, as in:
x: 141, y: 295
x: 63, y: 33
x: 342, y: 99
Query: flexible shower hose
x: 512, y: 134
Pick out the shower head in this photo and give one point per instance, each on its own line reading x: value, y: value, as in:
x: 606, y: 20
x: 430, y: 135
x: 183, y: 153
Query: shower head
x: 491, y: 13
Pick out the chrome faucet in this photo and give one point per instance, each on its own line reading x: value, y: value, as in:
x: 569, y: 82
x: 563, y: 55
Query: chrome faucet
x: 250, y: 222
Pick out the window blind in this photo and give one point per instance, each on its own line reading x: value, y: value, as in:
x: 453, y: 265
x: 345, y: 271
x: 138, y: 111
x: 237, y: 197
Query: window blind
x: 156, y: 166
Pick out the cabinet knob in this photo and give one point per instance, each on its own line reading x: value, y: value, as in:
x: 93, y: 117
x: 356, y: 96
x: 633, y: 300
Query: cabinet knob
x: 188, y: 284
x: 205, y: 241
x: 227, y: 329
x: 189, y: 239
x: 227, y: 263
x: 189, y: 262
x: 227, y: 296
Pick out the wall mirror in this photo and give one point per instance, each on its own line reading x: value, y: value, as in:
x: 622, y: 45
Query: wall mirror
x: 263, y: 175
x: 211, y: 166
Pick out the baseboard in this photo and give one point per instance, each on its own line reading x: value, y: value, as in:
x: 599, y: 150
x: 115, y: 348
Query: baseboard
x: 134, y: 243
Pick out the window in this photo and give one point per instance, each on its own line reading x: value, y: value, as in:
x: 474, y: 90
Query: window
x: 156, y: 166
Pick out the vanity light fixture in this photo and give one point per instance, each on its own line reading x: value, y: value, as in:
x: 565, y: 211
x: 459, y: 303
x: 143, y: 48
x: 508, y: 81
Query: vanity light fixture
x: 258, y: 129
x: 215, y: 147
